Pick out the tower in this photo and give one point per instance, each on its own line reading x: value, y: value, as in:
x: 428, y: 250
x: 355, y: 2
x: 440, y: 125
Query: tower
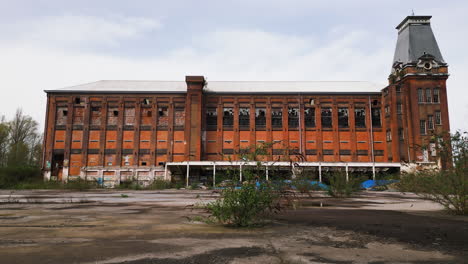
x: 415, y: 101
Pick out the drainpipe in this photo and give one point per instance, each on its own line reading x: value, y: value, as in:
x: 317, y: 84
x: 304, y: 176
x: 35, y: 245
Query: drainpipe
x: 372, y: 140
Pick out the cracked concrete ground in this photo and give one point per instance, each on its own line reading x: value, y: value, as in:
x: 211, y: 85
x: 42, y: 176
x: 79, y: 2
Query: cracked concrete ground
x: 104, y: 226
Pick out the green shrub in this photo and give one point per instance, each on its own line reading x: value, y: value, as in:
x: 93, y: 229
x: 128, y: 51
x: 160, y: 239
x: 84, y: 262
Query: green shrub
x: 448, y: 188
x: 243, y: 207
x: 11, y: 176
x: 340, y: 187
x: 159, y: 184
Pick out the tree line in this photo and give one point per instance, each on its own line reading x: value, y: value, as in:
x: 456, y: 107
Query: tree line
x: 20, y: 141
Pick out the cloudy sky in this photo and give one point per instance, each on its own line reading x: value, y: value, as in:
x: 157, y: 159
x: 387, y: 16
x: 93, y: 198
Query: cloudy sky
x: 50, y: 44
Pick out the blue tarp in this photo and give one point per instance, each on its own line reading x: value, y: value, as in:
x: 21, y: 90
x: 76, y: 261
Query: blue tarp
x: 369, y: 184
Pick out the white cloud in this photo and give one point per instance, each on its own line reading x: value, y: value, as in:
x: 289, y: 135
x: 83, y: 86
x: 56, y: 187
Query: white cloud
x: 73, y: 31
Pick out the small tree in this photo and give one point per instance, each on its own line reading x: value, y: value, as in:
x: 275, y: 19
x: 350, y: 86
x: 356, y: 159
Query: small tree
x: 448, y: 187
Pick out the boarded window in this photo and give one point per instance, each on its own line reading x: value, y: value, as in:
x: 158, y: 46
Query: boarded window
x: 112, y: 115
x: 179, y: 117
x: 96, y: 116
x: 78, y: 115
x: 129, y: 116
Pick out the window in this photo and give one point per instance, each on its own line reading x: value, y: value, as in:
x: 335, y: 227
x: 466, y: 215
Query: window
x: 211, y: 118
x: 309, y: 117
x: 422, y: 127
x: 376, y: 120
x: 260, y: 118
x: 401, y: 136
x: 129, y: 116
x: 228, y: 117
x: 293, y: 117
x: 162, y: 111
x: 389, y: 135
x: 326, y: 117
x: 430, y: 122
x: 387, y: 110
x: 420, y: 95
x: 77, y: 100
x: 398, y: 89
x: 436, y: 95
x: 360, y: 117
x: 438, y: 119
x: 95, y: 116
x: 163, y: 116
x: 244, y: 118
x: 179, y: 117
x: 277, y: 117
x: 343, y: 117
x: 428, y: 96
x: 399, y: 108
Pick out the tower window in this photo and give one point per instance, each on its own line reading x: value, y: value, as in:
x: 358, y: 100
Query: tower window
x: 228, y: 117
x: 436, y: 95
x: 343, y: 117
x: 420, y: 95
x: 293, y: 117
x: 309, y: 117
x: 244, y: 117
x: 438, y: 118
x: 422, y: 127
x: 326, y: 117
x: 376, y: 119
x: 428, y: 96
x: 430, y: 122
x: 277, y: 118
x: 360, y: 117
x: 399, y: 108
x: 260, y: 118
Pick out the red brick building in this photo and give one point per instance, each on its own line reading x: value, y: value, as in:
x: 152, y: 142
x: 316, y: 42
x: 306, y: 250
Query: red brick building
x: 121, y: 130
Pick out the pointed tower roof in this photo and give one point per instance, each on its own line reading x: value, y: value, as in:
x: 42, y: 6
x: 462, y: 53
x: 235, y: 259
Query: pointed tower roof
x: 416, y: 39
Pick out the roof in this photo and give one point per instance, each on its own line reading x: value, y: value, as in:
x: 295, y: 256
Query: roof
x: 415, y: 39
x: 247, y: 87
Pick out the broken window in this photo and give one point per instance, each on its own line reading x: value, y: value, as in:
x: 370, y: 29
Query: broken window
x: 309, y: 117
x: 163, y: 116
x: 420, y: 95
x: 376, y: 119
x: 61, y: 118
x: 260, y: 118
x: 211, y: 118
x: 438, y: 118
x: 244, y: 118
x: 399, y: 108
x: 343, y: 117
x: 326, y: 117
x: 293, y: 117
x: 179, y: 117
x: 389, y: 135
x: 146, y: 102
x: 360, y: 117
x: 96, y: 116
x: 422, y: 127
x: 77, y: 100
x: 112, y: 115
x: 436, y: 95
x: 277, y: 117
x: 430, y: 122
x: 228, y: 117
